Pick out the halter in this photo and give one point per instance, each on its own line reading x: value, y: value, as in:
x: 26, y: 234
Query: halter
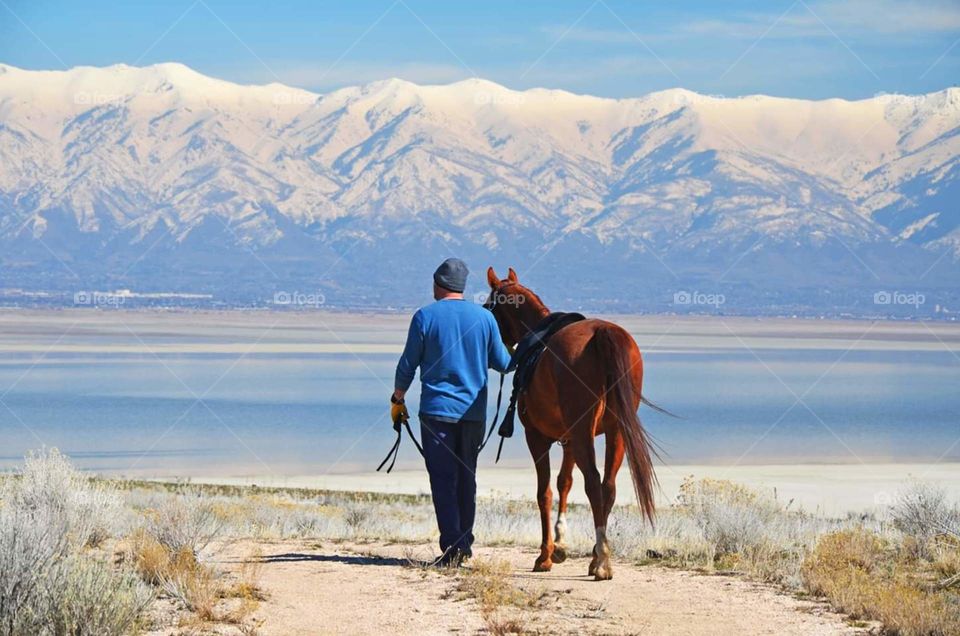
x: 491, y: 303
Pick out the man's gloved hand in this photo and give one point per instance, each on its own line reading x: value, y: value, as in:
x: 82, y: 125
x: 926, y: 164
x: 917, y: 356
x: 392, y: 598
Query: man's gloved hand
x: 398, y: 411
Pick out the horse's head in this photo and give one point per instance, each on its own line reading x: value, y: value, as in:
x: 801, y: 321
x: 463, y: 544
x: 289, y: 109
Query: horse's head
x: 516, y: 308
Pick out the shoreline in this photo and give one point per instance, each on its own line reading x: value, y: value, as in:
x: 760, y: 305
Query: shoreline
x: 826, y: 489
x: 842, y: 317
x: 75, y: 335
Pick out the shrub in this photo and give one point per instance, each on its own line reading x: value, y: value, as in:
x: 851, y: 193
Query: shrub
x: 185, y: 522
x: 732, y: 517
x: 49, y: 485
x: 194, y: 585
x: 30, y: 545
x: 176, y: 572
x: 862, y: 575
x: 90, y: 597
x: 356, y: 517
x: 49, y: 583
x: 922, y: 512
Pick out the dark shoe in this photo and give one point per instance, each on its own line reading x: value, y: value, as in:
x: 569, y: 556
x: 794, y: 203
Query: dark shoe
x: 452, y: 558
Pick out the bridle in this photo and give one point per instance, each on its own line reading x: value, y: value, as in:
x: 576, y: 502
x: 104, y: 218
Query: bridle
x: 491, y: 303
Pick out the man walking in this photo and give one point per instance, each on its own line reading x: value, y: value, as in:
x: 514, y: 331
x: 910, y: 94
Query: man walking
x: 453, y: 342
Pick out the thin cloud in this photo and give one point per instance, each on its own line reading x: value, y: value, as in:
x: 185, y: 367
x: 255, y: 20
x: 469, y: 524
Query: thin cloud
x: 854, y: 17
x: 589, y: 36
x: 892, y: 17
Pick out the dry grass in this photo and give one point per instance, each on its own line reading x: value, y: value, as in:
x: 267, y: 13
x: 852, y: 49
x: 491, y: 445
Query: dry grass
x: 246, y: 594
x: 499, y: 625
x: 178, y: 573
x: 488, y: 583
x: 866, y: 577
x: 902, y: 568
x: 201, y: 589
x: 715, y: 526
x: 247, y: 585
x: 945, y: 561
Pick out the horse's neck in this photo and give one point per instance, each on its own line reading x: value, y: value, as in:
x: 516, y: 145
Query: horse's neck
x: 530, y: 315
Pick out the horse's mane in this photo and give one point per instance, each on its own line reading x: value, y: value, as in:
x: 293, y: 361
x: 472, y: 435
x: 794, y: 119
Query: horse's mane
x: 528, y: 294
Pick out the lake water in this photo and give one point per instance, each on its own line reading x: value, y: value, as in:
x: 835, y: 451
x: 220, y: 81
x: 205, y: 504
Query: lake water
x: 262, y: 393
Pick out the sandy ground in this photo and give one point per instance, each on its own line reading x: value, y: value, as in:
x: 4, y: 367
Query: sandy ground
x: 311, y: 589
x: 82, y: 330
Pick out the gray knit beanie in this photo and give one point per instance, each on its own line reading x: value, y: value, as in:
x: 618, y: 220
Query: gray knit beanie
x: 452, y: 275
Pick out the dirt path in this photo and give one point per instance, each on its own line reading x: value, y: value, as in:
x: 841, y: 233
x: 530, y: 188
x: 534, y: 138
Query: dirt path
x: 361, y: 589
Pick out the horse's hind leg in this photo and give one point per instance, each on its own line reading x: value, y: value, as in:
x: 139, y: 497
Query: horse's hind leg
x: 540, y: 449
x: 586, y: 458
x: 564, y: 483
x: 613, y: 461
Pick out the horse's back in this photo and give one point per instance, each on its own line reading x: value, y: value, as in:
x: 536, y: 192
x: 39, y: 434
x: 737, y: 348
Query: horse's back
x: 574, y: 370
x: 571, y: 344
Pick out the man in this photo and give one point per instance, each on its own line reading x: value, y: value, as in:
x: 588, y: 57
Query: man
x: 453, y: 342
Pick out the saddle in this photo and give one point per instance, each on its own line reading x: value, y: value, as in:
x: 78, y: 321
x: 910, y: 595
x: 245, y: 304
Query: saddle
x: 524, y: 363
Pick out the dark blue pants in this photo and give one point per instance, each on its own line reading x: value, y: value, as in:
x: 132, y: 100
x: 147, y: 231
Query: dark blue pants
x: 450, y: 451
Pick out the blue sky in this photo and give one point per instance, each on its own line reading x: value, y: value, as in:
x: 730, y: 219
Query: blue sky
x: 801, y: 48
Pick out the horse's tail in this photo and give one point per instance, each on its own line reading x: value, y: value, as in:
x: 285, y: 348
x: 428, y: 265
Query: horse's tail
x: 614, y: 346
x: 658, y: 408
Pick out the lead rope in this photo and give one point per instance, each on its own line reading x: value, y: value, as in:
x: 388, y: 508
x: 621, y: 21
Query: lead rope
x: 496, y: 416
x: 506, y: 426
x: 395, y: 449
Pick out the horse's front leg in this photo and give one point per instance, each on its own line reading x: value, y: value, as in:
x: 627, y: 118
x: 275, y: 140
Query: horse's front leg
x: 540, y: 449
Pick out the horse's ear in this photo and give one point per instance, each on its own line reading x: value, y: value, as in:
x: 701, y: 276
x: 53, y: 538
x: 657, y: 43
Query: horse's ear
x: 492, y: 278
x: 512, y: 276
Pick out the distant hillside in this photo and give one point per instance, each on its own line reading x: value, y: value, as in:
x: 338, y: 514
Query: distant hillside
x: 163, y: 179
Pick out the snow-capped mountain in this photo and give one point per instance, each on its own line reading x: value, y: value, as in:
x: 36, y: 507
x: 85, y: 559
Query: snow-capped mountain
x: 163, y: 178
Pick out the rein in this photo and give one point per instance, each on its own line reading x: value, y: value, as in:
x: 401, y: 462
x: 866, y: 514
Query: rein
x: 490, y: 305
x: 496, y: 416
x: 395, y: 450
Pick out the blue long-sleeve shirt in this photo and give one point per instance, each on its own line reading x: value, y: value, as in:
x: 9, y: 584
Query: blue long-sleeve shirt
x: 453, y: 342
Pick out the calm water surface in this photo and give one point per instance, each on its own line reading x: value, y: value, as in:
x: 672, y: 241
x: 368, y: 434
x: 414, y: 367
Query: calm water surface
x: 265, y: 393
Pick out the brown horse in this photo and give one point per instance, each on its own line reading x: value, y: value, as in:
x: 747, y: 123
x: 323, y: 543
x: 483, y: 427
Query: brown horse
x: 587, y: 383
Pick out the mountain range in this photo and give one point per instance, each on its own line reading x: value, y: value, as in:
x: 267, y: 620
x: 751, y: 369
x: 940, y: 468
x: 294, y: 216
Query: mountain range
x: 161, y: 179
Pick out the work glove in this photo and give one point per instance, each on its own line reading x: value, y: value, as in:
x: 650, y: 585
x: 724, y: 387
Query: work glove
x: 398, y: 412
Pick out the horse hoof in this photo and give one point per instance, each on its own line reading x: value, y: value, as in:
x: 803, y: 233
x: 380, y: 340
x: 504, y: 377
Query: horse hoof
x: 559, y: 554
x: 602, y: 570
x: 593, y: 563
x: 542, y: 566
